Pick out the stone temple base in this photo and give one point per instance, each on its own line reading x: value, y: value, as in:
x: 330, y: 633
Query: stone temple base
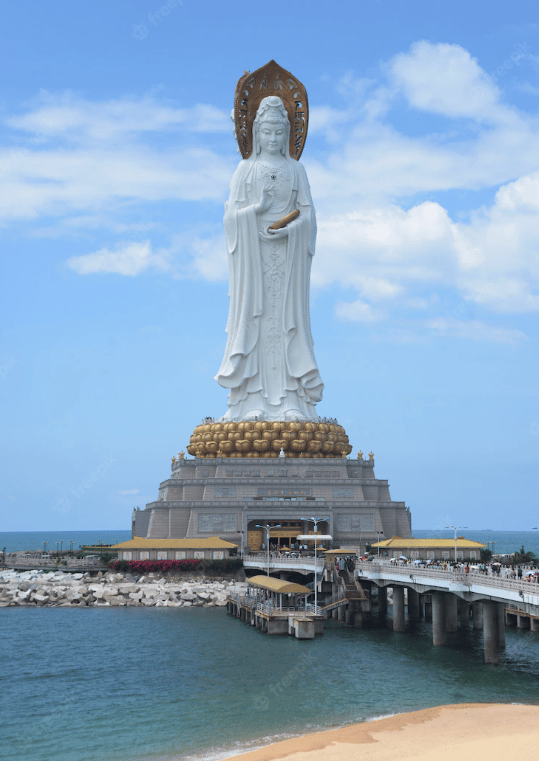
x: 232, y: 498
x: 255, y: 439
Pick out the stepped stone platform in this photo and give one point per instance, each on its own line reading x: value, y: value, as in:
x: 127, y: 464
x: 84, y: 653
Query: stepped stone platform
x: 231, y: 498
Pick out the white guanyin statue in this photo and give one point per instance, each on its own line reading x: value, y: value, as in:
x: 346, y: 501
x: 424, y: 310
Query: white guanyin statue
x: 269, y: 364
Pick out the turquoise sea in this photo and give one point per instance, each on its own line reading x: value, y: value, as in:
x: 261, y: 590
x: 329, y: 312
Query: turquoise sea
x: 156, y: 684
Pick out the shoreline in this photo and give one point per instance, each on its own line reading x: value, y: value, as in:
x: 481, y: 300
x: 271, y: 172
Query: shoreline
x: 464, y: 730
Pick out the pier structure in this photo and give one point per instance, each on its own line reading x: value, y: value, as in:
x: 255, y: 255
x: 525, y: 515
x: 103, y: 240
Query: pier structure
x: 450, y: 599
x: 275, y: 606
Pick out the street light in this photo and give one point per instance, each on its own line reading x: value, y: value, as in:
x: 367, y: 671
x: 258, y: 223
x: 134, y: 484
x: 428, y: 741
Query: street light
x: 45, y: 544
x: 455, y: 529
x: 71, y: 543
x: 380, y: 533
x: 315, y: 521
x: 268, y: 528
x: 61, y: 542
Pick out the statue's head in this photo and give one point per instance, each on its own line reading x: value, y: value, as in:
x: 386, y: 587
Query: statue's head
x: 272, y: 114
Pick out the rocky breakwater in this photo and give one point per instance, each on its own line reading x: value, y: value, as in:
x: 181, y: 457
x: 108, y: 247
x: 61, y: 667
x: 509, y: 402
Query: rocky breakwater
x: 42, y: 589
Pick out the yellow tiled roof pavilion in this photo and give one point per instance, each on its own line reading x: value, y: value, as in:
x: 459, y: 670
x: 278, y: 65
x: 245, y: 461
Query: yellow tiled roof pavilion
x: 203, y: 543
x: 400, y: 543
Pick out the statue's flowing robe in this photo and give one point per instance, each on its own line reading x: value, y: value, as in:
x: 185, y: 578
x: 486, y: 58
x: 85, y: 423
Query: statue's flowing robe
x: 269, y: 353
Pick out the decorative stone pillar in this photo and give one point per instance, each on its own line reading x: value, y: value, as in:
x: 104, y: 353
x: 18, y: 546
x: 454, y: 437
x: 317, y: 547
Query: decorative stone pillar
x: 413, y: 605
x: 477, y: 613
x: 451, y: 618
x: 438, y: 618
x: 491, y: 632
x: 399, y: 624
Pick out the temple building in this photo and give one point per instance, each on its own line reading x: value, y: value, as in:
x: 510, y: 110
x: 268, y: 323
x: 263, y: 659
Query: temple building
x: 237, y: 498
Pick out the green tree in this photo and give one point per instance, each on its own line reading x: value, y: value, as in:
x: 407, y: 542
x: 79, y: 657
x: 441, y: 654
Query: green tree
x: 486, y: 555
x: 522, y: 557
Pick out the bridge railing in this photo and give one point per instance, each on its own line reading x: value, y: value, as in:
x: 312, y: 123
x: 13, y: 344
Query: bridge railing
x: 473, y: 577
x: 276, y: 560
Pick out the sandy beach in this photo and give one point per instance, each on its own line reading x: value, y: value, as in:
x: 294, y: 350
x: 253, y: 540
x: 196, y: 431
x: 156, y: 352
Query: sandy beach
x: 469, y: 732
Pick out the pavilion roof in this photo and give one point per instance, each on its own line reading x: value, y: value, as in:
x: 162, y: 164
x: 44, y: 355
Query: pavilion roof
x: 400, y: 543
x: 202, y: 543
x: 278, y: 585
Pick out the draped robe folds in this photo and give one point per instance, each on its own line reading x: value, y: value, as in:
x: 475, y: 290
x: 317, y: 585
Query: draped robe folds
x: 269, y: 364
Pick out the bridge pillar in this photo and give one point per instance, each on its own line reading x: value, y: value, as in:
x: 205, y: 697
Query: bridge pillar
x: 399, y: 624
x: 413, y: 605
x: 523, y: 622
x: 501, y: 624
x: 342, y: 613
x: 438, y: 618
x: 427, y: 608
x: 335, y: 613
x: 451, y: 619
x: 464, y: 614
x: 354, y: 615
x: 477, y: 612
x: 382, y: 601
x: 491, y: 632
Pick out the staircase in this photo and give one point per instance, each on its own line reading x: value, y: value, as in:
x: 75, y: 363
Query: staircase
x: 352, y: 589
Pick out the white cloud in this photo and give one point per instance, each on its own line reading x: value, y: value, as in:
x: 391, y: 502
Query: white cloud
x: 68, y: 115
x: 129, y: 259
x: 357, y: 311
x: 474, y: 330
x: 61, y: 183
x: 129, y: 491
x: 210, y: 258
x: 445, y: 79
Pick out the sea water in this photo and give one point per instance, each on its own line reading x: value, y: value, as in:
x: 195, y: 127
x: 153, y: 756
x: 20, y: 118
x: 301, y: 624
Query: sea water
x: 134, y: 684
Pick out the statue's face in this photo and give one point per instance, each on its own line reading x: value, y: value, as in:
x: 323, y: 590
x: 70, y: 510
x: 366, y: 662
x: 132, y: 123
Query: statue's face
x: 271, y: 137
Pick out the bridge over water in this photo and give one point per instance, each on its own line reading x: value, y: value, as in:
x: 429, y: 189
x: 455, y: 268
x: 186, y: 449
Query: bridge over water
x: 447, y: 598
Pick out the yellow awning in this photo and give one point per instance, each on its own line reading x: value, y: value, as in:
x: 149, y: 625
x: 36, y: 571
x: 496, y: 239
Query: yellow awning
x: 278, y: 585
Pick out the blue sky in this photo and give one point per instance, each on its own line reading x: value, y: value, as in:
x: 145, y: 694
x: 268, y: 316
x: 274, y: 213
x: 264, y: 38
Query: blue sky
x: 116, y: 153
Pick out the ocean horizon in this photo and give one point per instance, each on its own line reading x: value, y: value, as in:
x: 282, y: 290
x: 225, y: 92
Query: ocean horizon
x: 499, y: 541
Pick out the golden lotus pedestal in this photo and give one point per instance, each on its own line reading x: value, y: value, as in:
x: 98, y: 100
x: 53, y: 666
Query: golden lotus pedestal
x: 263, y: 439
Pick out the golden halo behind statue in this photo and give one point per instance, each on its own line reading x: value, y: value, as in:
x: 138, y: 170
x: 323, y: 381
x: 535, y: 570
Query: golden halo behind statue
x: 251, y: 89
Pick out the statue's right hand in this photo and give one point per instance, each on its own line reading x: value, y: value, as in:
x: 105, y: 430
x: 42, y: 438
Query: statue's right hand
x: 266, y: 200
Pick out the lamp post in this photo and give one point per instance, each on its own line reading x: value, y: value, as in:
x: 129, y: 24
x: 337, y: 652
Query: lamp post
x: 268, y: 528
x: 455, y: 529
x: 315, y: 521
x: 45, y: 547
x: 71, y: 543
x: 380, y: 533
